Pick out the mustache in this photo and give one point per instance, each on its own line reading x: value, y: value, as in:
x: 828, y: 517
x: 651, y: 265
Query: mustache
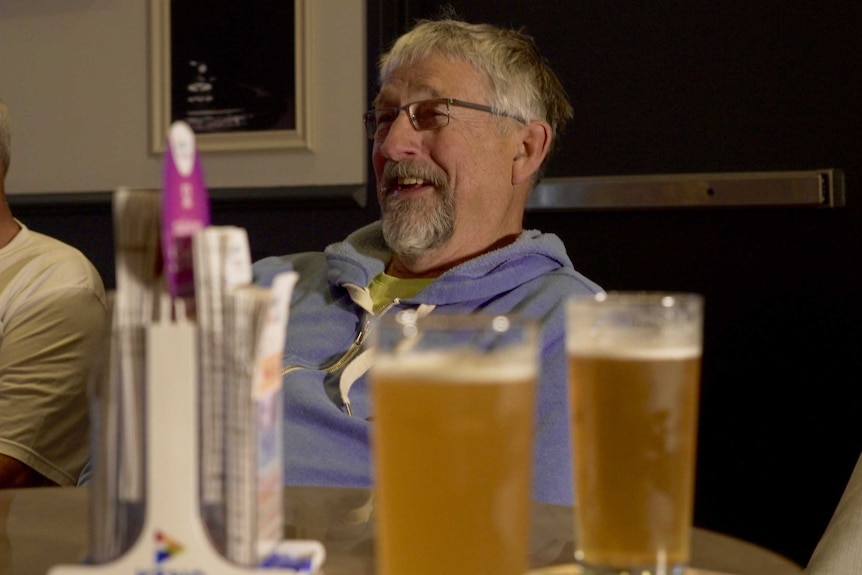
x: 393, y: 171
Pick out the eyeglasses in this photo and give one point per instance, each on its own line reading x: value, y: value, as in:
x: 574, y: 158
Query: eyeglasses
x: 424, y: 115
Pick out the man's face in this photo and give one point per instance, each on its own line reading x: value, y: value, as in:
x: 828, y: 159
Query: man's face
x: 445, y: 194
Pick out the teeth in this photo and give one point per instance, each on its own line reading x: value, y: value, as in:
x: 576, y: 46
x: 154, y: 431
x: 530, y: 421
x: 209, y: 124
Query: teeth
x: 409, y: 181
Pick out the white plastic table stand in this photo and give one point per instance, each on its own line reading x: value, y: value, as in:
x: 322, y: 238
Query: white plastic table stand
x: 172, y: 510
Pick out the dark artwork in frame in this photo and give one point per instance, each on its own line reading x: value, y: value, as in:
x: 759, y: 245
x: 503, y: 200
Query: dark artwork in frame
x: 233, y: 65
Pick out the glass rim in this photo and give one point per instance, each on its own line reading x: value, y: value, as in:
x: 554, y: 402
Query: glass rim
x: 667, y: 298
x: 467, y: 319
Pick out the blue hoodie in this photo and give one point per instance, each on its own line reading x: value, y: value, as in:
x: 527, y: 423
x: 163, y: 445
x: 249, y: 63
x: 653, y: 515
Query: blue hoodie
x: 326, y: 400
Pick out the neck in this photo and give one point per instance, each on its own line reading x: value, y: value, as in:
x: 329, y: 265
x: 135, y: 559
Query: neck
x: 432, y: 265
x: 8, y: 226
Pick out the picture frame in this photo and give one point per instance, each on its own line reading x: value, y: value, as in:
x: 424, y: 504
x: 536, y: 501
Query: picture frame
x: 237, y: 75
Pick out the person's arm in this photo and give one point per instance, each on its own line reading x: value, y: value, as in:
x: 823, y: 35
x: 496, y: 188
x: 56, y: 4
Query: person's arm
x: 13, y: 473
x: 45, y: 357
x: 839, y: 551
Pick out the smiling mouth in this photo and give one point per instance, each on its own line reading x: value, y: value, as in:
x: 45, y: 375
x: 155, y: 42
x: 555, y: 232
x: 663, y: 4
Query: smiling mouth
x: 405, y: 185
x: 411, y: 183
x: 404, y: 177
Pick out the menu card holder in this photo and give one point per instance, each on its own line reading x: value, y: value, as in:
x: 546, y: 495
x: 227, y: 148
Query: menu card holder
x: 173, y: 539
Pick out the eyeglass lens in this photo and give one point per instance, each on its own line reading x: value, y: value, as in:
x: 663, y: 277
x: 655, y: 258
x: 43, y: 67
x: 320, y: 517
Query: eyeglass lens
x: 424, y: 115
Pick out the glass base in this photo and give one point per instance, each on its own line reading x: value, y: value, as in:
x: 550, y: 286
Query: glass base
x: 588, y: 569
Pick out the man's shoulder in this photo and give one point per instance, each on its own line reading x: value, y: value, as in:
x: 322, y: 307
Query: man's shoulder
x: 550, y: 290
x: 66, y: 262
x: 265, y: 269
x: 39, y: 260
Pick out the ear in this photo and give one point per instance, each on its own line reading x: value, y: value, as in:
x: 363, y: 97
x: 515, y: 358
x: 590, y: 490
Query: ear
x: 532, y: 149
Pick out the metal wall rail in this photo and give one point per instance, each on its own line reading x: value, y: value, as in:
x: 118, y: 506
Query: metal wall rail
x: 797, y: 189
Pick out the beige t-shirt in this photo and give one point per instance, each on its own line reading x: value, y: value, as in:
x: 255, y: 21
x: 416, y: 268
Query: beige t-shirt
x: 52, y: 317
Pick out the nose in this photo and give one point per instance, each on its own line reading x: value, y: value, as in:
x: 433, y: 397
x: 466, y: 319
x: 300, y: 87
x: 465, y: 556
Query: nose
x: 402, y: 140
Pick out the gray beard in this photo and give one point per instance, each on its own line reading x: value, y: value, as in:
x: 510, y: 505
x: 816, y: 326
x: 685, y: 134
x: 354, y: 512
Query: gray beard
x: 412, y: 227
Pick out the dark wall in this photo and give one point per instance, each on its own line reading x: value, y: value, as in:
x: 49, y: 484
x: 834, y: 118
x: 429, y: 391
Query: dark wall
x: 275, y: 225
x: 673, y: 87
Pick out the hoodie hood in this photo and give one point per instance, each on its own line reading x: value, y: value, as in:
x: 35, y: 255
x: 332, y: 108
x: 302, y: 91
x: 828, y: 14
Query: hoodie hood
x: 364, y: 254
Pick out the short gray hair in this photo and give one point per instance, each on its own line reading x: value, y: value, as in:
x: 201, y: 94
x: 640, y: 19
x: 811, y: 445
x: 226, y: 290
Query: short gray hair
x: 5, y: 139
x: 521, y: 80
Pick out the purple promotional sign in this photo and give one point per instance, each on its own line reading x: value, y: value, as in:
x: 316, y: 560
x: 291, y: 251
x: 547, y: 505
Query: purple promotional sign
x: 185, y: 209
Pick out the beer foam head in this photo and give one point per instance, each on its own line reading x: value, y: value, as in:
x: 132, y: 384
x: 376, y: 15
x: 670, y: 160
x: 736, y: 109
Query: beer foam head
x: 458, y: 367
x: 649, y: 325
x: 623, y: 351
x: 674, y: 342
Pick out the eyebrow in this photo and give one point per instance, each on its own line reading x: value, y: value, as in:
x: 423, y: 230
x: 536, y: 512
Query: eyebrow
x: 425, y: 92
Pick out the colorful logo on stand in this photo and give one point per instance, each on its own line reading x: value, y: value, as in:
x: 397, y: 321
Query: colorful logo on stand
x: 166, y: 547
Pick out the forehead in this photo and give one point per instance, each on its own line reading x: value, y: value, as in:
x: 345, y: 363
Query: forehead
x: 433, y: 77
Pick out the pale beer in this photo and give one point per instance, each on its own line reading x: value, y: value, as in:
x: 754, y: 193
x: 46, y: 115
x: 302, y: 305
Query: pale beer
x: 634, y: 424
x: 452, y: 442
x: 634, y: 378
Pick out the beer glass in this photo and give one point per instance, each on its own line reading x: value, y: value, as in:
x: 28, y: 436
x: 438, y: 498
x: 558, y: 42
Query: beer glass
x: 634, y: 371
x: 452, y: 437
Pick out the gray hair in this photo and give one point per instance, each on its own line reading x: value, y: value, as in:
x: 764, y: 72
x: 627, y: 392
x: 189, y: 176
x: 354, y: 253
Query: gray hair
x: 5, y: 139
x: 521, y: 81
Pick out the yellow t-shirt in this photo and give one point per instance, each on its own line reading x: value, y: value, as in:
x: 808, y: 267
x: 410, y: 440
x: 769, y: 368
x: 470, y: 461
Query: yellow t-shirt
x: 384, y: 288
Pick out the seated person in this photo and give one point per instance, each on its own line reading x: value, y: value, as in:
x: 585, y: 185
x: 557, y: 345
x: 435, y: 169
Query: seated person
x: 839, y: 551
x: 52, y: 313
x: 462, y: 127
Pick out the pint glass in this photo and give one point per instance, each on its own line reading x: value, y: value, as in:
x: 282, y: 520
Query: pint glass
x: 452, y: 435
x: 634, y: 372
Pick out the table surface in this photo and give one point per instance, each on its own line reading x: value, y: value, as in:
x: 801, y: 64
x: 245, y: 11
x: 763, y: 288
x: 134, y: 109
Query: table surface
x: 43, y: 527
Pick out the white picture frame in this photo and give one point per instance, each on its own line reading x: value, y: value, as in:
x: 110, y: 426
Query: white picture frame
x: 296, y: 135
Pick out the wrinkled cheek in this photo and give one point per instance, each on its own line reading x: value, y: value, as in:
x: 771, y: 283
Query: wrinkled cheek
x: 377, y: 160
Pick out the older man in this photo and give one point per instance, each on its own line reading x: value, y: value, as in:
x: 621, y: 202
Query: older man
x: 462, y: 127
x: 52, y: 313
